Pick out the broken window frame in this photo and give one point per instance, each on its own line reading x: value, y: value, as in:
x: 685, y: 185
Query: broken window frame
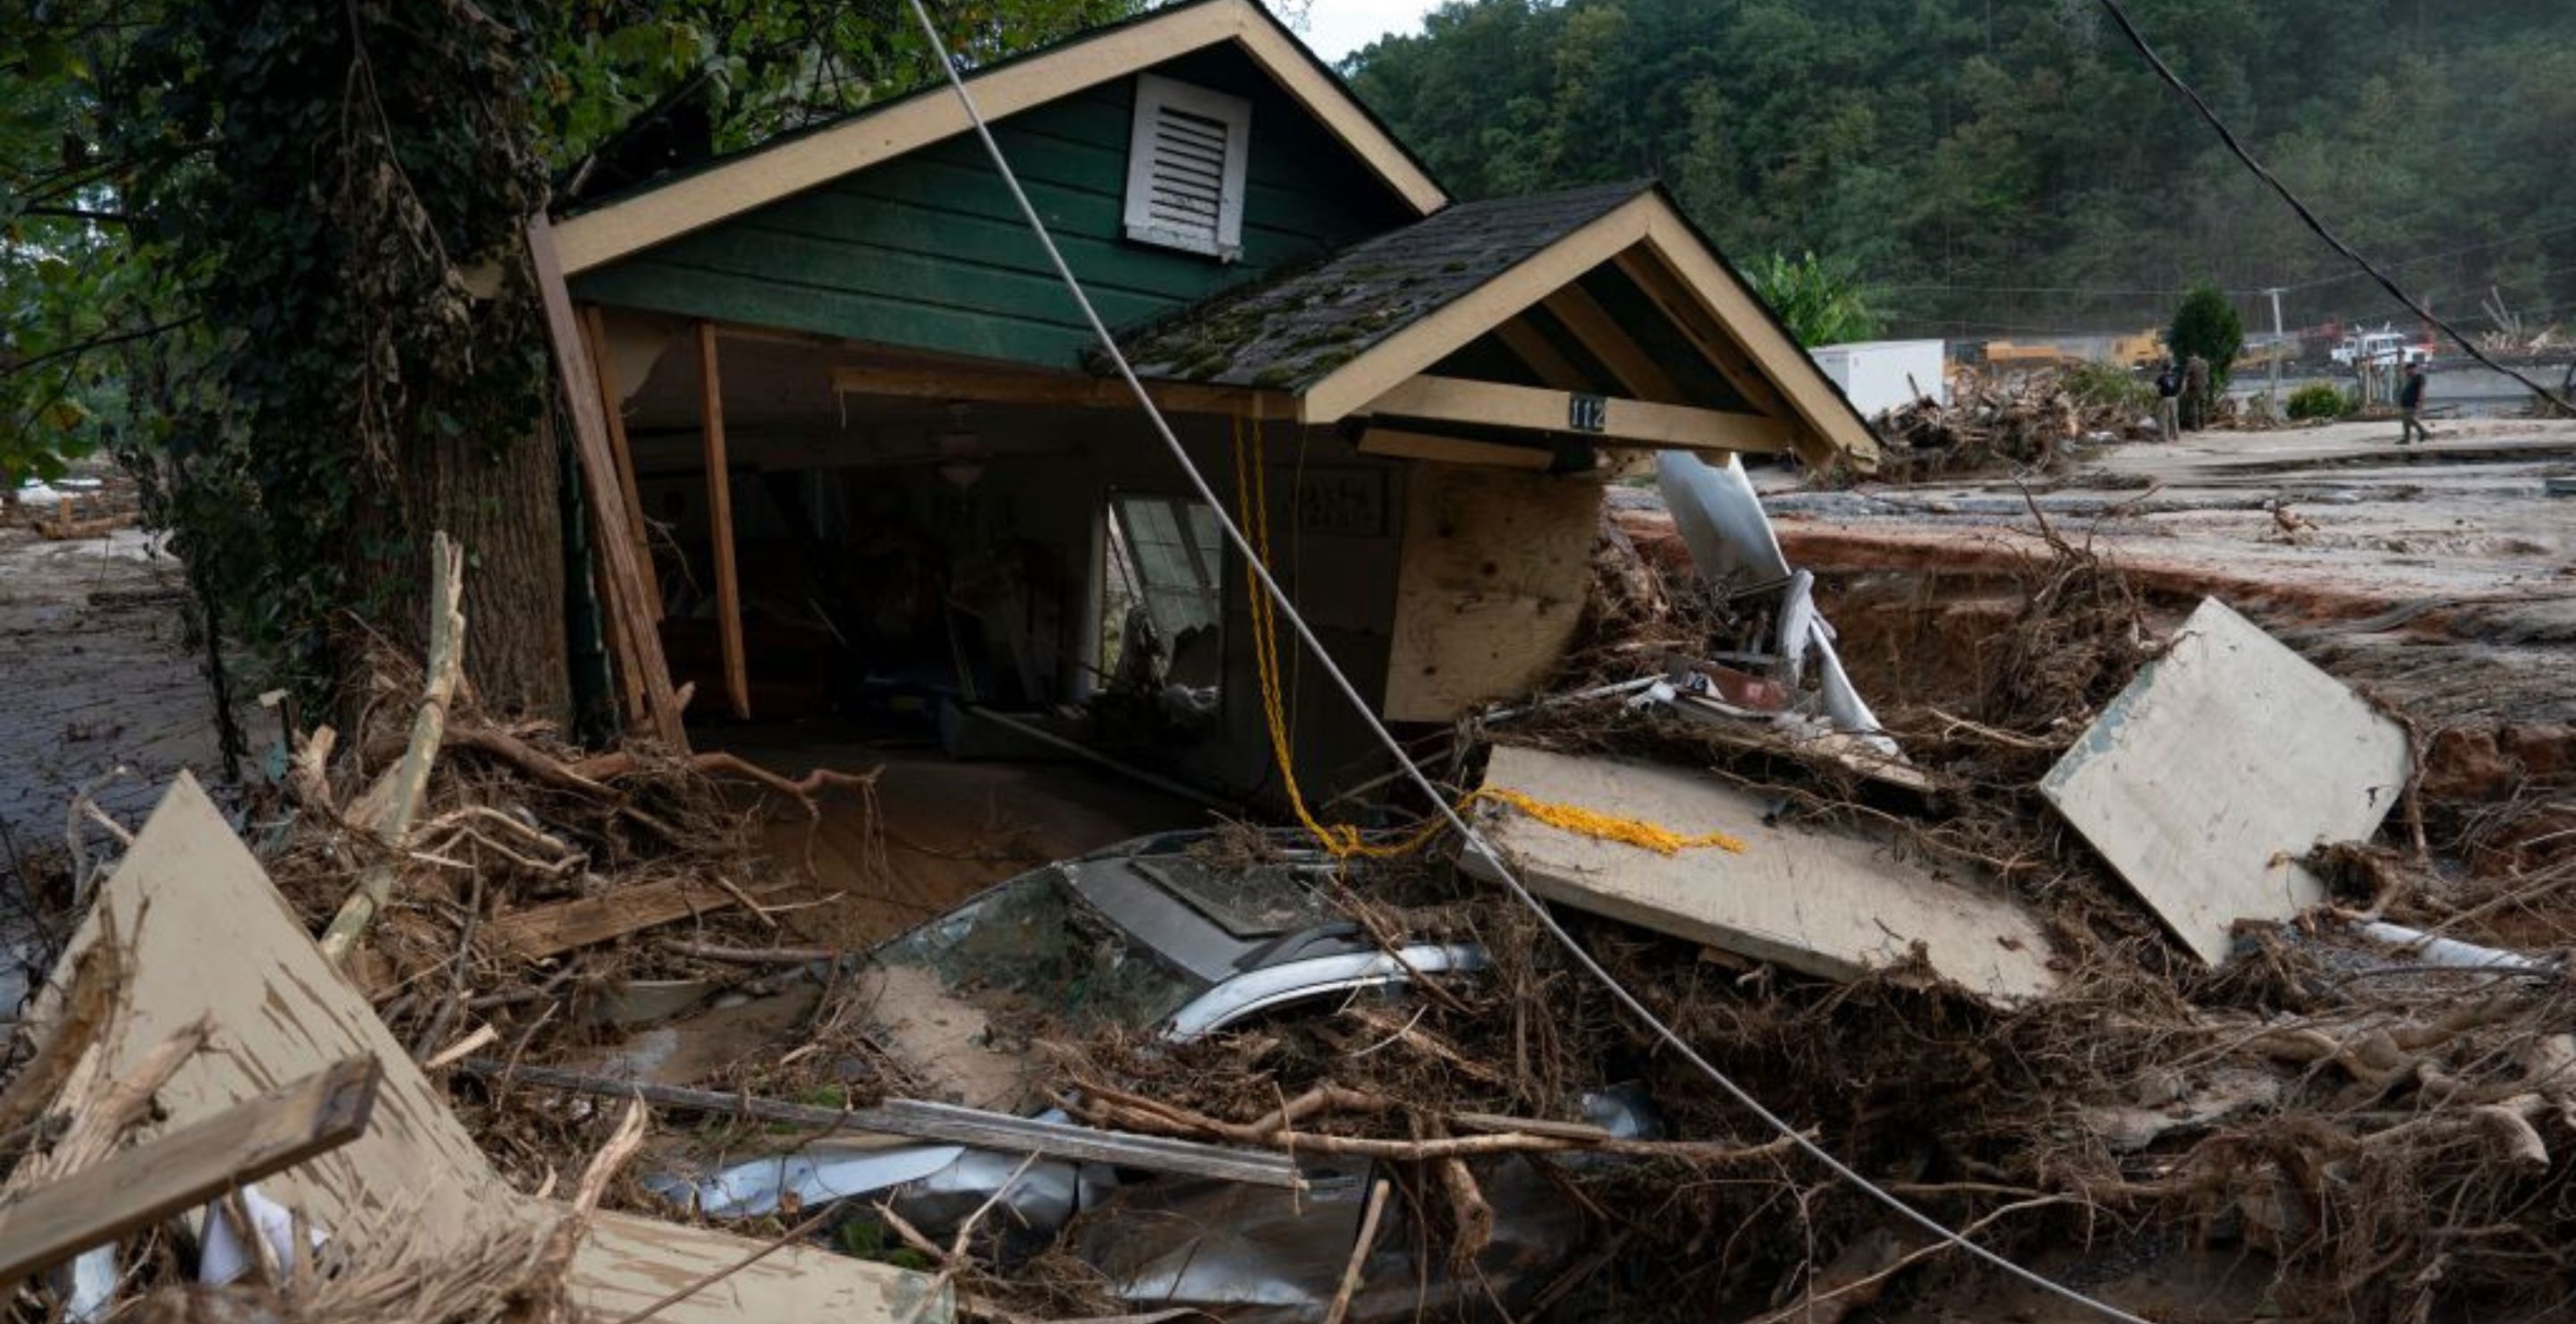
x: 1202, y: 549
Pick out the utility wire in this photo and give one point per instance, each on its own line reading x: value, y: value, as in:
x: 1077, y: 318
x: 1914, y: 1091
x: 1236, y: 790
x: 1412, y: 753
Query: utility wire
x: 2228, y: 136
x: 1413, y: 771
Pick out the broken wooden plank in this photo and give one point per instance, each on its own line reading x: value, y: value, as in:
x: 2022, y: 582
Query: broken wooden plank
x: 1825, y: 902
x: 2221, y: 765
x: 948, y: 1123
x: 632, y: 634
x: 210, y: 936
x: 160, y: 1178
x: 543, y: 931
x: 612, y: 408
x: 737, y: 674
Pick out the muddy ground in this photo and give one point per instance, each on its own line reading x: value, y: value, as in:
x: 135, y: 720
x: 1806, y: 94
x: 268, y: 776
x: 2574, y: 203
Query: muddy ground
x: 99, y: 676
x: 2442, y: 577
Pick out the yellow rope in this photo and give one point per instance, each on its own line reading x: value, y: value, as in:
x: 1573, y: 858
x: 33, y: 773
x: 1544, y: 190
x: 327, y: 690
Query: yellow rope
x: 1252, y: 503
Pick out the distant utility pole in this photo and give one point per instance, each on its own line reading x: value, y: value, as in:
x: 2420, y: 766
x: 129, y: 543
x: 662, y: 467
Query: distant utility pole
x: 2278, y: 340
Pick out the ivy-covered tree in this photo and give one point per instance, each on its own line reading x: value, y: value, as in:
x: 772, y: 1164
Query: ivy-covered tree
x: 273, y: 255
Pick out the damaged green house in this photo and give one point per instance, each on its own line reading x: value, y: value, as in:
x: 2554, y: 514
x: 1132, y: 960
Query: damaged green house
x: 873, y: 478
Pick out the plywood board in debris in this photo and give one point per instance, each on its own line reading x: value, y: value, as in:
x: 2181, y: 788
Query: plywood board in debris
x: 1488, y: 588
x: 1826, y: 902
x: 2220, y: 765
x: 209, y: 935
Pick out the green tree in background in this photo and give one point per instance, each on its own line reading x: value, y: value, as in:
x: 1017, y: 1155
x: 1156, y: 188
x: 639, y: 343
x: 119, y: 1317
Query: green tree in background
x: 1995, y: 170
x: 2206, y: 324
x: 1821, y: 304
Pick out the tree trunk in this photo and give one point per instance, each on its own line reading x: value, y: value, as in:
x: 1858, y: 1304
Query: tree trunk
x: 498, y: 498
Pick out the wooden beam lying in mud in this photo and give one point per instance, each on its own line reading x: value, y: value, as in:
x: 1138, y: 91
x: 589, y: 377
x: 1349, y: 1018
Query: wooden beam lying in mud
x: 543, y: 931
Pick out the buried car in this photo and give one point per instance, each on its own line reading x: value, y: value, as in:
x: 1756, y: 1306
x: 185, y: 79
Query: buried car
x: 1159, y: 937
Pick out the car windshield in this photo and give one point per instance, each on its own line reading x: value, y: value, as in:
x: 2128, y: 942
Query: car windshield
x: 1033, y: 950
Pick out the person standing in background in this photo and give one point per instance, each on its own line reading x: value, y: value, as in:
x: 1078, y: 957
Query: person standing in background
x: 2195, y: 393
x: 2410, y: 403
x: 2168, y: 401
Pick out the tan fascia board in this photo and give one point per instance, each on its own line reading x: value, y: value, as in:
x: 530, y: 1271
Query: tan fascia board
x: 1387, y: 364
x: 1809, y: 393
x: 658, y: 215
x: 1643, y: 423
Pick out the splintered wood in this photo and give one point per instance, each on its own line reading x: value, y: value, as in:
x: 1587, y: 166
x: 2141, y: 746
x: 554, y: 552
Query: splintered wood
x: 210, y: 938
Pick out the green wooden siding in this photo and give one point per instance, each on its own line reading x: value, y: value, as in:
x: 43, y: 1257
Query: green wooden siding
x: 929, y: 250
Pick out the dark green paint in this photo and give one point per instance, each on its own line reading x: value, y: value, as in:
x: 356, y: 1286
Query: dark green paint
x: 929, y: 251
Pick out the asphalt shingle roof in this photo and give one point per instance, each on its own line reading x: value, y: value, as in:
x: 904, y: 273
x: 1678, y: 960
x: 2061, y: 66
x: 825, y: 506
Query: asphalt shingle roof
x: 1292, y: 331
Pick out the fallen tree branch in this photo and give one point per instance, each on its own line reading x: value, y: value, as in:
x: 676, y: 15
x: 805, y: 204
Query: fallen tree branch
x: 410, y: 778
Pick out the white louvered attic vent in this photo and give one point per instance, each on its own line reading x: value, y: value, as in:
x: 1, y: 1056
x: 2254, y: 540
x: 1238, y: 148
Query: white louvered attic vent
x: 1185, y: 167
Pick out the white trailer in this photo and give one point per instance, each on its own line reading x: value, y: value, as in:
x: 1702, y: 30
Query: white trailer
x: 1880, y: 375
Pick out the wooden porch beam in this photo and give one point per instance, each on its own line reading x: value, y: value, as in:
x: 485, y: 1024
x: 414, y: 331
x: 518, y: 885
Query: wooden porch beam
x: 1535, y: 409
x: 1401, y: 444
x: 1531, y: 346
x: 922, y: 381
x: 737, y: 672
x: 1636, y: 370
x: 1704, y: 332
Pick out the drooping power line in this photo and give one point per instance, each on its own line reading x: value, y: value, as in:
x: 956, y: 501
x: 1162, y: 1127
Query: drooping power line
x: 1474, y: 839
x: 2228, y: 136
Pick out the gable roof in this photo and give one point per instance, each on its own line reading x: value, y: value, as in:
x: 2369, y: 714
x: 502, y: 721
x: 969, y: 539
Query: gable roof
x: 1291, y: 332
x: 1348, y: 331
x: 666, y: 209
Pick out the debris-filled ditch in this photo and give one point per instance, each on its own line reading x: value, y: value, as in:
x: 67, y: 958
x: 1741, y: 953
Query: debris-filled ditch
x: 2092, y: 920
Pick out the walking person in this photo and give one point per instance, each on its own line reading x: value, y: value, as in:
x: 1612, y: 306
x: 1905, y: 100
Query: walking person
x: 2169, y: 401
x: 2195, y: 392
x: 2410, y: 405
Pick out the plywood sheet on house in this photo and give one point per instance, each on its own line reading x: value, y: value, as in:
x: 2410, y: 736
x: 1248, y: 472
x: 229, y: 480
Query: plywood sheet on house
x: 1829, y: 903
x: 207, y: 934
x: 2223, y: 763
x: 1489, y: 586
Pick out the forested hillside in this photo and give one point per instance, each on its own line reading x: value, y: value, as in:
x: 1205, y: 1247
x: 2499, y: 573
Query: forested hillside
x: 2002, y: 165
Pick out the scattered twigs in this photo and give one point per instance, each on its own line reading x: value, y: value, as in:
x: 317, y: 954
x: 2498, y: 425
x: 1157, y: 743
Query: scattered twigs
x: 956, y: 1256
x: 1360, y: 1247
x: 1114, y: 1107
x: 409, y: 780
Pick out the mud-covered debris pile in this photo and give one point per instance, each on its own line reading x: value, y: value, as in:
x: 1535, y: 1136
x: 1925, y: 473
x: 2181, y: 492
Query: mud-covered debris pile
x: 2029, y: 419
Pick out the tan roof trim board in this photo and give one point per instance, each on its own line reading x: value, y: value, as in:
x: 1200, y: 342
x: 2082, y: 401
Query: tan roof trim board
x: 1701, y: 326
x: 1811, y: 395
x: 1722, y: 318
x: 1537, y: 409
x: 1352, y: 386
x: 757, y: 178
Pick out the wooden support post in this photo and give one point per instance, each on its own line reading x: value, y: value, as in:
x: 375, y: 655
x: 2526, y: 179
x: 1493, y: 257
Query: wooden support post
x: 612, y: 405
x: 737, y: 674
x: 637, y: 643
